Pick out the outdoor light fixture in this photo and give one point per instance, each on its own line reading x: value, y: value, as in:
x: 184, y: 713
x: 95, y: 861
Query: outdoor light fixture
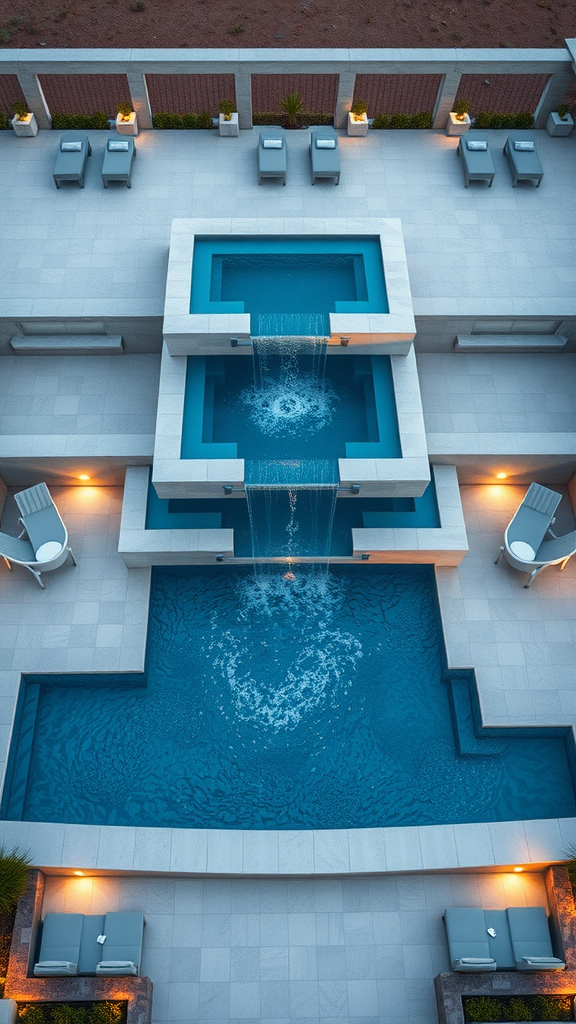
x: 227, y: 488
x: 344, y: 342
x: 83, y: 476
x: 219, y: 558
x: 501, y: 476
x: 518, y: 870
x: 79, y: 874
x: 365, y: 557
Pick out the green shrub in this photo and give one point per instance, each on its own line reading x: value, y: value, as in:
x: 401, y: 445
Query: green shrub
x: 461, y: 108
x: 226, y: 108
x: 303, y: 120
x: 4, y: 120
x: 562, y: 110
x: 106, y: 1013
x: 81, y: 122
x: 31, y: 1014
x: 517, y: 1010
x: 292, y: 105
x: 164, y: 120
x: 20, y: 109
x: 503, y: 121
x: 67, y: 1013
x: 125, y: 109
x: 13, y: 877
x: 359, y: 108
x: 552, y: 1007
x: 483, y: 1008
x: 421, y: 120
x: 72, y: 1013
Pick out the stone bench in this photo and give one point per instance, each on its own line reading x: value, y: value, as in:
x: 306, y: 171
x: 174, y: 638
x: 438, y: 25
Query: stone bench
x: 510, y: 342
x: 67, y: 344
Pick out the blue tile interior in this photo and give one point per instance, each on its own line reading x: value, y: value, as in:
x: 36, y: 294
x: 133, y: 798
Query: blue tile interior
x: 288, y: 285
x: 315, y: 702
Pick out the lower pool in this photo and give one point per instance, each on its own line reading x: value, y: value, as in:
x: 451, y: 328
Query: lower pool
x: 276, y: 701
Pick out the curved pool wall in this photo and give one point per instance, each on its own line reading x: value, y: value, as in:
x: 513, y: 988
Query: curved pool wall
x: 322, y: 702
x: 288, y: 285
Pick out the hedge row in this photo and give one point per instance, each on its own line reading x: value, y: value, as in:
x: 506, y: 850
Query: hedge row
x: 523, y: 120
x: 83, y: 122
x: 303, y: 120
x: 517, y: 1008
x: 166, y: 120
x: 421, y: 120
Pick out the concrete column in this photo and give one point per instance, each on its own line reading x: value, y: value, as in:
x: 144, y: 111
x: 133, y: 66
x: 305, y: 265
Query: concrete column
x: 446, y: 98
x: 34, y: 97
x: 344, y: 98
x: 243, y: 88
x: 554, y: 91
x: 139, y: 98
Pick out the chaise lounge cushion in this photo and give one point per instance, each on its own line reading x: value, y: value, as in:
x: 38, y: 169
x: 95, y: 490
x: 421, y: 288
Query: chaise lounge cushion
x: 116, y: 967
x: 531, y: 940
x: 468, y: 940
x: 54, y: 968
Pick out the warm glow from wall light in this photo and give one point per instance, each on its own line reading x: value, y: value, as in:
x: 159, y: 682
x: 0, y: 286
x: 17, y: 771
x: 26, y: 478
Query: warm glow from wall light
x: 83, y: 476
x: 499, y: 476
x: 79, y: 874
x: 518, y: 870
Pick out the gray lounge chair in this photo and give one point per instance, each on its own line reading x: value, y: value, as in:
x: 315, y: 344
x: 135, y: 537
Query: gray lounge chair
x: 531, y: 940
x: 525, y: 545
x: 60, y: 947
x: 468, y: 940
x: 118, y: 156
x: 272, y: 157
x: 123, y: 945
x: 477, y: 162
x: 324, y: 154
x: 524, y: 162
x: 73, y: 152
x: 47, y: 546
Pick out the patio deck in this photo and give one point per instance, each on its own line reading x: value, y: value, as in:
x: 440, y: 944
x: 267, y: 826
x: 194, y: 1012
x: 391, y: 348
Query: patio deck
x: 100, y: 253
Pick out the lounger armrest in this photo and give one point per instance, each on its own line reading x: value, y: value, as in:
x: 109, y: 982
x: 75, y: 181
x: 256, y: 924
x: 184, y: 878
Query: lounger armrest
x: 541, y: 963
x: 113, y: 967
x: 474, y: 963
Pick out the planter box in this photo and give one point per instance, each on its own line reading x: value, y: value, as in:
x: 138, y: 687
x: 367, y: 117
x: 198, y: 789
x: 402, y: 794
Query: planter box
x: 457, y: 127
x: 129, y: 126
x: 357, y: 125
x: 26, y: 128
x: 555, y: 125
x: 228, y: 127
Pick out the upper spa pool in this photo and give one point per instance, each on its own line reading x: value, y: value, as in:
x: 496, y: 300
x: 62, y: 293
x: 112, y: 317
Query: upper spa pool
x: 274, y: 700
x: 289, y: 285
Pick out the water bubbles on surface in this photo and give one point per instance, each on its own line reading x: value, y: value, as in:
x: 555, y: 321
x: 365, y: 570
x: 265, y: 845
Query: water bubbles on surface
x: 282, y: 406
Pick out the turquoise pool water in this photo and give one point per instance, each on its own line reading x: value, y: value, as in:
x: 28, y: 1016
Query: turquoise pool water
x: 293, y: 420
x: 289, y: 285
x: 317, y: 702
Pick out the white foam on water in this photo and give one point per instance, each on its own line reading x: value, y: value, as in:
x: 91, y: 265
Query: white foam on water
x: 281, y: 407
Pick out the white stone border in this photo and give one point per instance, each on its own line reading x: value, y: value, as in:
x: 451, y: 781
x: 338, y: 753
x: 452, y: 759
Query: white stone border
x: 187, y: 333
x: 443, y: 545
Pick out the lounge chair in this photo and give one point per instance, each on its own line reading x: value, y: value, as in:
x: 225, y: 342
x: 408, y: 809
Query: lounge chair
x: 60, y: 947
x: 123, y: 944
x: 523, y: 158
x: 324, y: 154
x: 47, y: 545
x: 272, y: 159
x: 73, y: 152
x: 119, y: 154
x: 468, y: 940
x: 525, y: 547
x: 477, y: 162
x: 531, y: 940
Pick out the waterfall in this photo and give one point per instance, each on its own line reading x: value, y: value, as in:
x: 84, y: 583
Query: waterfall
x: 291, y: 502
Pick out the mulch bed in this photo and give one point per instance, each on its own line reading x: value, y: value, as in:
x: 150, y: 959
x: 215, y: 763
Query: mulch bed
x: 286, y: 23
x: 6, y: 929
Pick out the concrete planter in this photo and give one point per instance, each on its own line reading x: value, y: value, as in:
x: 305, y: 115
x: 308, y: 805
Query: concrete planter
x: 26, y: 128
x: 228, y: 127
x: 8, y: 1011
x: 127, y: 126
x: 357, y: 126
x: 556, y: 125
x: 457, y: 127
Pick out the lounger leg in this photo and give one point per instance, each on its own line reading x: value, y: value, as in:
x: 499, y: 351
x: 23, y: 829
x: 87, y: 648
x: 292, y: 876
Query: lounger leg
x: 496, y: 560
x: 532, y: 575
x: 70, y: 552
x: 57, y: 183
x: 564, y: 563
x: 36, y: 575
x: 8, y: 565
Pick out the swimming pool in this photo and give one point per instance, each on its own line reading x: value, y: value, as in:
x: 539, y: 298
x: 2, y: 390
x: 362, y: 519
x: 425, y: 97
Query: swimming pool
x: 289, y: 285
x: 270, y: 703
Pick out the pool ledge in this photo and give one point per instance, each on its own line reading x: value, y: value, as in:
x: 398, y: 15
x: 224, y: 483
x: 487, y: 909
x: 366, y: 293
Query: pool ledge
x: 61, y: 848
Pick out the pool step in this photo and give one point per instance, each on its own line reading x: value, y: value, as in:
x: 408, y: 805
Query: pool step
x: 471, y: 739
x: 14, y: 801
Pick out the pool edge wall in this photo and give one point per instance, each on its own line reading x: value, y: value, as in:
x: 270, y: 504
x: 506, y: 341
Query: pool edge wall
x: 188, y: 333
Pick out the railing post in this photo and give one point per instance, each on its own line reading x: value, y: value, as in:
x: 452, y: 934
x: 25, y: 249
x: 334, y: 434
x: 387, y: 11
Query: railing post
x: 446, y: 97
x: 140, y: 99
x: 344, y: 97
x: 35, y: 100
x: 243, y: 88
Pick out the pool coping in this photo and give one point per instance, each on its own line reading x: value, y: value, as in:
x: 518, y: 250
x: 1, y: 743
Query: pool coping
x: 188, y: 333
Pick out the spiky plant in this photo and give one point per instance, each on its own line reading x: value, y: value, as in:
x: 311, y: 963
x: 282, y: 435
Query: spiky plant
x: 13, y: 871
x: 293, y: 105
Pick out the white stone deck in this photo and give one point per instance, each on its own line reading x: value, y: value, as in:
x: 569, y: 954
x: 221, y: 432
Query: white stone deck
x: 96, y: 252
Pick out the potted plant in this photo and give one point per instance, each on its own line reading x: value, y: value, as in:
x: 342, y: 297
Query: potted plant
x: 560, y: 122
x: 292, y: 105
x: 24, y: 123
x: 358, y: 119
x: 126, y: 120
x: 228, y: 119
x: 458, y: 119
